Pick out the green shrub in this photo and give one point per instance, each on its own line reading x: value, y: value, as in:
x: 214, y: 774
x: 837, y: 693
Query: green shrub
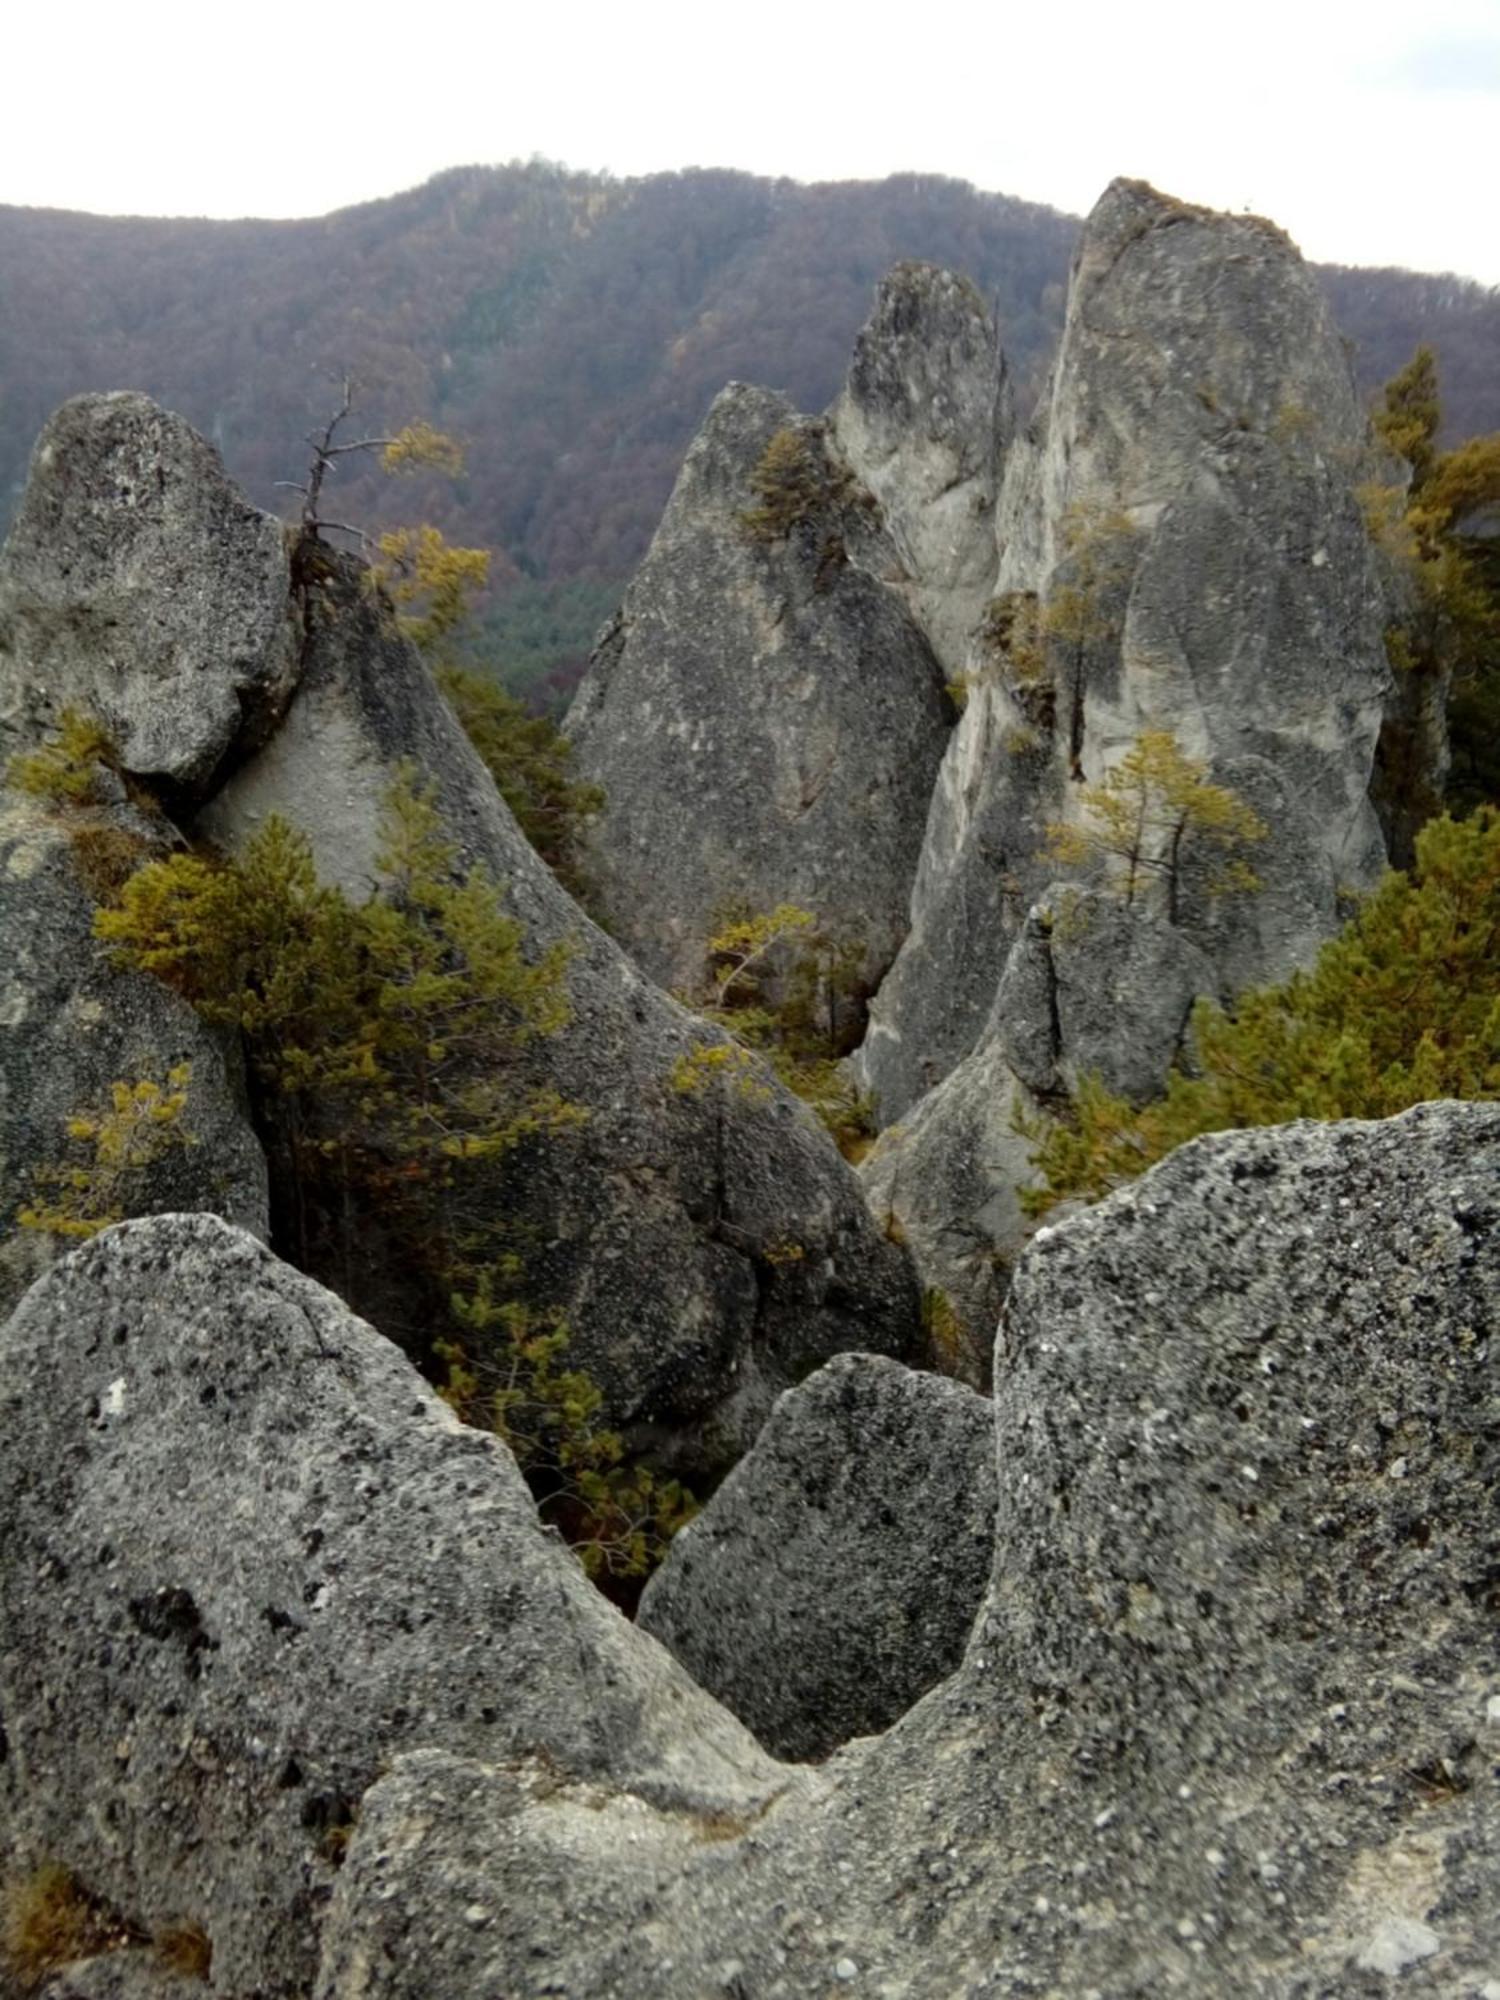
x: 1402, y: 1006
x: 383, y: 1038
x: 790, y: 992
x: 113, y: 1143
x: 531, y: 762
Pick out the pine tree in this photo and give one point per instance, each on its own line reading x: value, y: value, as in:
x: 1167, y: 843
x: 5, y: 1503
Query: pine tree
x: 1150, y: 807
x: 1402, y: 1006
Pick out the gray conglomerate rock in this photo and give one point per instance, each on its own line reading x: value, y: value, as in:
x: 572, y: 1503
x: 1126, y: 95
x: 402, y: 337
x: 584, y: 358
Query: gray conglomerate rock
x: 131, y: 1973
x: 709, y: 1246
x: 764, y: 714
x: 946, y: 1182
x: 923, y: 421
x: 1229, y: 1721
x: 249, y: 1558
x: 1091, y: 988
x: 834, y: 1576
x: 139, y: 586
x: 72, y: 1026
x: 1181, y: 549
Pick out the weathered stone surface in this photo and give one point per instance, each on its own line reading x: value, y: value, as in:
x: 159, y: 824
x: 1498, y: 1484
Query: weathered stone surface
x: 71, y: 1026
x: 138, y: 585
x: 135, y: 1973
x: 662, y: 1226
x: 946, y: 1182
x: 764, y: 714
x: 1095, y: 988
x: 1230, y: 1721
x: 1091, y: 988
x: 249, y: 1558
x: 1181, y: 550
x: 923, y: 421
x: 833, y: 1578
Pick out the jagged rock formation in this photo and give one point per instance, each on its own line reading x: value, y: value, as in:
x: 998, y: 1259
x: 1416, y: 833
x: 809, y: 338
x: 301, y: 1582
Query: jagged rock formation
x: 924, y: 420
x: 249, y: 1558
x: 1181, y: 549
x: 764, y: 715
x: 138, y: 585
x: 662, y: 1226
x: 1229, y: 1721
x: 834, y: 1576
x: 71, y: 1027
x: 1090, y: 988
x: 1095, y: 988
x: 947, y: 1181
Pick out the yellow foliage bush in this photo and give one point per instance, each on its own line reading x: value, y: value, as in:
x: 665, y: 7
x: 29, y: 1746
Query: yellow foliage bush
x: 137, y: 1125
x: 1138, y: 819
x: 1402, y: 1006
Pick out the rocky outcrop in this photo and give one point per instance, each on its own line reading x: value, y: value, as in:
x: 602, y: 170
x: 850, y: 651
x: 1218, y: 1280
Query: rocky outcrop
x: 249, y: 1559
x: 1091, y: 988
x: 1181, y: 551
x: 708, y: 1246
x: 138, y: 585
x: 1095, y: 988
x: 947, y: 1183
x: 833, y: 1578
x: 73, y: 1029
x: 924, y: 420
x: 764, y: 715
x: 1229, y: 1721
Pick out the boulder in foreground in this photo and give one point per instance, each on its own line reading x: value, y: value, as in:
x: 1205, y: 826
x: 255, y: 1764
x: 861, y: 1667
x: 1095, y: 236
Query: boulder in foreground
x: 249, y: 1559
x: 1230, y: 1719
x: 833, y: 1578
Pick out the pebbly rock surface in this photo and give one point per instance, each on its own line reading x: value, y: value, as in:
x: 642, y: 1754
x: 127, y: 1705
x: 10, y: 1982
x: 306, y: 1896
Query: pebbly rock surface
x: 1229, y: 1721
x: 249, y: 1559
x: 708, y: 1245
x: 139, y: 586
x: 764, y: 714
x: 135, y: 1972
x: 1091, y: 988
x: 924, y: 421
x: 1182, y: 550
x: 946, y: 1183
x: 72, y: 1027
x: 834, y: 1576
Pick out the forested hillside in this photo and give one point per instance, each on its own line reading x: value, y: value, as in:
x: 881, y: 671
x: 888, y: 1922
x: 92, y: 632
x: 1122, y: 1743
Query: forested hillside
x: 571, y: 328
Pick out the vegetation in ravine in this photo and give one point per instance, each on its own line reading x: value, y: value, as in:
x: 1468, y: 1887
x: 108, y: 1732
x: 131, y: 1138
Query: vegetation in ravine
x: 385, y: 1043
x: 1443, y: 531
x: 789, y: 993
x: 1402, y: 1006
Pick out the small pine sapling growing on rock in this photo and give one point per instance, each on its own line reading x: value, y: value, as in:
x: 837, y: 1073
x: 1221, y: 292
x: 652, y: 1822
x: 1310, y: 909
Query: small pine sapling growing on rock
x: 115, y: 1143
x: 73, y: 769
x: 787, y: 990
x: 1403, y: 1006
x: 1143, y: 812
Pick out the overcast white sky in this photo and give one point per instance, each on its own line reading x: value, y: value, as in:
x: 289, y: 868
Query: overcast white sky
x: 1370, y: 130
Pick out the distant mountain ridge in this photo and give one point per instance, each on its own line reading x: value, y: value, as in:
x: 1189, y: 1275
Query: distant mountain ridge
x: 572, y: 328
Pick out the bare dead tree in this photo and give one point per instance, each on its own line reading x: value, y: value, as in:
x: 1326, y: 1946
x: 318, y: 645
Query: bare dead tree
x: 326, y: 452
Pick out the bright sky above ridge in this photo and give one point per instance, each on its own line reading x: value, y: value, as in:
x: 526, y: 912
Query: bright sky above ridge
x: 1367, y: 128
